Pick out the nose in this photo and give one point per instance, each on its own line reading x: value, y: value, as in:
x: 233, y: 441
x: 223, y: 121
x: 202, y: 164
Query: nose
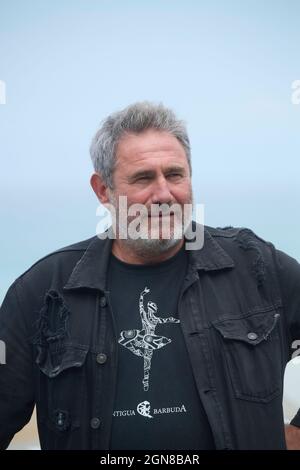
x: 161, y: 192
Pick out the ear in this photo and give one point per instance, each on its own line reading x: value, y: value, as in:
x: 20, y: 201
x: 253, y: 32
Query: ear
x: 99, y: 188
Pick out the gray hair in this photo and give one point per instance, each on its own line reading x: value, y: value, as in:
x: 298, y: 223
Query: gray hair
x: 134, y: 119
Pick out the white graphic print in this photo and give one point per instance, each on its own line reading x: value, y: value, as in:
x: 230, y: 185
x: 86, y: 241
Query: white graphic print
x: 143, y: 342
x: 144, y: 409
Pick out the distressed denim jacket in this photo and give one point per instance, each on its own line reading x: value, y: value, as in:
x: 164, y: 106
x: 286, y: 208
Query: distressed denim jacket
x: 240, y: 316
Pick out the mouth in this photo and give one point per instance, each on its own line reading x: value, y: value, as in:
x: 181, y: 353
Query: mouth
x: 160, y: 215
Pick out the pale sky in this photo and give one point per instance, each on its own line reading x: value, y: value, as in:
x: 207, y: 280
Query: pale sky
x: 226, y: 67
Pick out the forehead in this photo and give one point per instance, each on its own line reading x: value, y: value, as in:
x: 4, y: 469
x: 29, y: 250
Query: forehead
x: 152, y: 147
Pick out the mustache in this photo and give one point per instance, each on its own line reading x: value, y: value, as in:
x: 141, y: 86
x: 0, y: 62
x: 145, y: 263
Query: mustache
x: 157, y: 209
x: 164, y: 209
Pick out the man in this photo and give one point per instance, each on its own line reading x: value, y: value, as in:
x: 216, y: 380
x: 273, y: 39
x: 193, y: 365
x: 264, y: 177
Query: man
x: 131, y: 340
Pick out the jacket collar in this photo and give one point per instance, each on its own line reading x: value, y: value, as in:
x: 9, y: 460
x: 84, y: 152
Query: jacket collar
x: 211, y: 256
x: 91, y: 270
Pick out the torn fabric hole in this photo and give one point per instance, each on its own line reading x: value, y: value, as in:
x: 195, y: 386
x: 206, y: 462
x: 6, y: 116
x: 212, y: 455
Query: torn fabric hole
x: 246, y: 240
x: 52, y: 322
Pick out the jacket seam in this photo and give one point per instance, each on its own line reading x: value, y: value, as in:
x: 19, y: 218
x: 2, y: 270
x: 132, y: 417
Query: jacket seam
x: 18, y: 283
x: 250, y: 313
x: 48, y: 256
x: 241, y: 317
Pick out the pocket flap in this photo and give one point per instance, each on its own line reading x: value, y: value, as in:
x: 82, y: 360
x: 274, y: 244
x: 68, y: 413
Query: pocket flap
x: 252, y: 329
x: 52, y: 363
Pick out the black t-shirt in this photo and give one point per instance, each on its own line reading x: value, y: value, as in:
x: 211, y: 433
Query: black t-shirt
x: 157, y: 405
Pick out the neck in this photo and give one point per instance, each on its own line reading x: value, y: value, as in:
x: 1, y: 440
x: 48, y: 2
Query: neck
x: 124, y: 253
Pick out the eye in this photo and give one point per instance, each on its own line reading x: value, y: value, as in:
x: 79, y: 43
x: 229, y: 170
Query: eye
x: 143, y: 179
x: 174, y: 175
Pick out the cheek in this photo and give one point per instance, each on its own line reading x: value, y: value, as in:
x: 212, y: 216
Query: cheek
x: 133, y: 194
x: 182, y: 193
x: 138, y: 195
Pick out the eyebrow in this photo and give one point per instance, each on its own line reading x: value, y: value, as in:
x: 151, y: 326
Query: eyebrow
x: 151, y: 173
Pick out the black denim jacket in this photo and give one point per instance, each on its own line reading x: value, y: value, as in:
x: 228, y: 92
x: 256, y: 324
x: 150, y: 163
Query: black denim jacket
x: 240, y: 315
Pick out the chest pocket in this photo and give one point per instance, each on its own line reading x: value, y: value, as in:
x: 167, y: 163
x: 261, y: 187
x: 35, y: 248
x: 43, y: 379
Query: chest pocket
x: 60, y: 385
x: 253, y: 355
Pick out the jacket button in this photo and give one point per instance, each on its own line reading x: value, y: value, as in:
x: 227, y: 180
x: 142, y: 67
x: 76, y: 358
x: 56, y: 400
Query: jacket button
x: 95, y: 423
x: 101, y: 358
x: 103, y: 302
x: 61, y: 419
x: 252, y: 336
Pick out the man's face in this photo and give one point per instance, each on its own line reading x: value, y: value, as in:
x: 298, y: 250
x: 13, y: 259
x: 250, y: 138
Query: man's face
x: 152, y: 169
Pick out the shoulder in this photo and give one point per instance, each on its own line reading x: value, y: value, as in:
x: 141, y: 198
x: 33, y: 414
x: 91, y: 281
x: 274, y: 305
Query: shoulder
x: 56, y: 263
x: 51, y: 270
x: 247, y: 249
x: 242, y: 237
x: 232, y: 233
x: 244, y: 242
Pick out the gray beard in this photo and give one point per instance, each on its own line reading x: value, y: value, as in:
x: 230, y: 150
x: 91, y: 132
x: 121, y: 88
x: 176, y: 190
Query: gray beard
x: 149, y: 247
